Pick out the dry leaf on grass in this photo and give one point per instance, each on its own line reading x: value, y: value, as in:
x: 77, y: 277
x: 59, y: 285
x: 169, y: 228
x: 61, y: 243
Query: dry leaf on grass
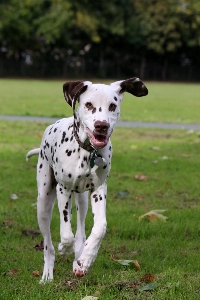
x: 39, y: 246
x: 141, y: 177
x: 30, y: 232
x: 124, y: 262
x: 8, y: 222
x: 148, y: 287
x: 36, y: 273
x: 154, y: 215
x: 13, y: 197
x: 14, y: 272
x: 90, y: 298
x: 122, y: 194
x: 148, y: 278
x: 136, y: 264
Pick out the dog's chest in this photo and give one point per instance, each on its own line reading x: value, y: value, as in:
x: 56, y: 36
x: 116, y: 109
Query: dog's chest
x: 70, y: 163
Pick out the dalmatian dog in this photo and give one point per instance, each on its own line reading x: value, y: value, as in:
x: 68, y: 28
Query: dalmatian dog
x: 75, y: 159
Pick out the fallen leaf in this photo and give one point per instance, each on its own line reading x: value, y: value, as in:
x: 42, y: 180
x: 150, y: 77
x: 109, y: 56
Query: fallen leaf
x: 185, y: 155
x: 138, y: 198
x: 134, y: 147
x: 14, y: 197
x: 164, y: 157
x: 124, y: 262
x: 134, y: 252
x: 155, y: 161
x: 8, y: 222
x: 90, y: 298
x: 122, y: 194
x: 30, y: 232
x: 137, y: 265
x: 36, y: 273
x: 148, y: 287
x: 141, y: 177
x: 13, y: 272
x: 154, y: 215
x: 132, y: 286
x: 39, y: 246
x: 155, y: 148
x: 148, y: 278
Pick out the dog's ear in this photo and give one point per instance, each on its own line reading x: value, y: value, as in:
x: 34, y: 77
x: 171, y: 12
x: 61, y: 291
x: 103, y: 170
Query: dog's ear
x: 133, y: 86
x: 73, y: 89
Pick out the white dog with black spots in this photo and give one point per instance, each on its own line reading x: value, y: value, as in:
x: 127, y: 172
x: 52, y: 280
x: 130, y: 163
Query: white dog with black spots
x: 75, y: 159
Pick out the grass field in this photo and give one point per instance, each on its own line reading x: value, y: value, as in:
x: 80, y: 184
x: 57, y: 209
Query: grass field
x: 169, y: 251
x: 166, y: 102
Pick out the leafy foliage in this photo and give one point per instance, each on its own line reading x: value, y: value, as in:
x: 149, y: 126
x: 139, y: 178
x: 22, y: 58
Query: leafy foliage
x: 121, y: 31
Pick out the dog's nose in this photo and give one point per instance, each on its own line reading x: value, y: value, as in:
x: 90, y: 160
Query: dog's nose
x: 101, y: 127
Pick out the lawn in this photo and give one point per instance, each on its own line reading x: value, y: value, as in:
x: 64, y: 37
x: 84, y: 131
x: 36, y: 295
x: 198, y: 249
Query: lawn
x: 166, y: 102
x: 164, y: 256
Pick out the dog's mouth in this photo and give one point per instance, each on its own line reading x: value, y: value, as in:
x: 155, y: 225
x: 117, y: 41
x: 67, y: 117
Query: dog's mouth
x: 98, y: 140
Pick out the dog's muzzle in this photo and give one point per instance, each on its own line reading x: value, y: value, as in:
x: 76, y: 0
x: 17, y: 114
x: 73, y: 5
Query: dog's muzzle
x: 99, y: 137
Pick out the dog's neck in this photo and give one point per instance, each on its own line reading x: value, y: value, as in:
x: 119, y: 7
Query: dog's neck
x: 83, y: 142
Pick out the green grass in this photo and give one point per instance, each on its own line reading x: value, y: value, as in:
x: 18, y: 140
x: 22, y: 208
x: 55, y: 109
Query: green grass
x: 168, y: 250
x: 166, y: 102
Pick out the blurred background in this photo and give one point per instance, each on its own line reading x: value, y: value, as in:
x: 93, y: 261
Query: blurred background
x: 154, y: 40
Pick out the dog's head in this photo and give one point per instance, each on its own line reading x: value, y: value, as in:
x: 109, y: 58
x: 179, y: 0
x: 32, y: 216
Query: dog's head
x: 99, y: 105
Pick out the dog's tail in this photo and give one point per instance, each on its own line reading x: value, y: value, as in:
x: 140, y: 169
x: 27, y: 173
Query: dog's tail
x: 32, y: 152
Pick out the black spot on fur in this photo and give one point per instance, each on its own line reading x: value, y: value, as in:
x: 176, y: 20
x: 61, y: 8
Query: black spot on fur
x: 94, y: 110
x: 63, y: 137
x: 41, y: 166
x: 69, y: 175
x: 100, y: 109
x: 105, y: 167
x: 66, y: 140
x: 87, y: 186
x: 69, y: 153
x: 115, y: 98
x: 65, y: 212
x: 94, y: 196
x: 71, y: 138
x: 41, y: 154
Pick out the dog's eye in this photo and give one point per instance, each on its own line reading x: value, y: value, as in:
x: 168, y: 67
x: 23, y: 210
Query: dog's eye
x: 89, y: 105
x: 112, y: 107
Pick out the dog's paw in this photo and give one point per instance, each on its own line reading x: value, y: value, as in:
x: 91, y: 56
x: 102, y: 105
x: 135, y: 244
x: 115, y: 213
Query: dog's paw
x: 65, y: 248
x: 77, y: 269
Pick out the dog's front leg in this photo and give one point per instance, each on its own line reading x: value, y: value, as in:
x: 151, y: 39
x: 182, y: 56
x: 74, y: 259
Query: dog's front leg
x: 66, y: 246
x: 92, y: 244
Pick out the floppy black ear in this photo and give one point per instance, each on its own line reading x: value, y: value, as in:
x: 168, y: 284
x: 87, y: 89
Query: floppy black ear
x: 72, y: 91
x: 133, y: 86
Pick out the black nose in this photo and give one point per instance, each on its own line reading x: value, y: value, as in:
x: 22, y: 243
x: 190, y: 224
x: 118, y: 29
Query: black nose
x: 101, y: 127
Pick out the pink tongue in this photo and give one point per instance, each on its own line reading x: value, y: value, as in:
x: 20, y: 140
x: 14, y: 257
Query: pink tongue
x: 99, y: 141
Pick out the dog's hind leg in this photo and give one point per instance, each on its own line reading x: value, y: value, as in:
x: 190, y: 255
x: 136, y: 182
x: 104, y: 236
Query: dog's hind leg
x: 46, y: 199
x: 82, y: 208
x: 66, y: 245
